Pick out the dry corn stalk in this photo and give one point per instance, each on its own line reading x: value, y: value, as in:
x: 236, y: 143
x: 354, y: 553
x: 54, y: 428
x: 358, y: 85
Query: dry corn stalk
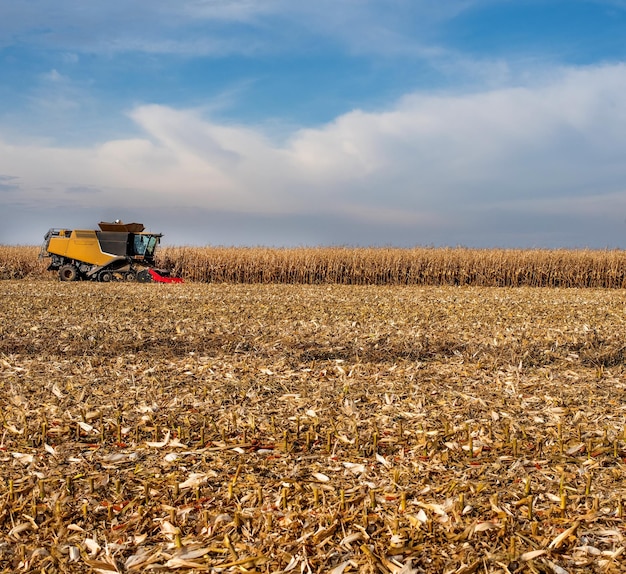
x: 274, y: 427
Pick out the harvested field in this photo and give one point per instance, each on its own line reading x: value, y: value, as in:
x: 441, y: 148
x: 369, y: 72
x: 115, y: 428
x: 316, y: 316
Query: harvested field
x: 311, y: 428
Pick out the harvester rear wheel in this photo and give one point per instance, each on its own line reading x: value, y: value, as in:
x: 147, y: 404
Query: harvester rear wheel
x: 68, y: 273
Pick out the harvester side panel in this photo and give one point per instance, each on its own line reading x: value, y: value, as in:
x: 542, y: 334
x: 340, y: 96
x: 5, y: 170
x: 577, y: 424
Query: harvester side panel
x: 82, y: 245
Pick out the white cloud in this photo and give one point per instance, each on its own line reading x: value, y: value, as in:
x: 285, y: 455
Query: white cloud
x: 53, y: 76
x: 549, y: 148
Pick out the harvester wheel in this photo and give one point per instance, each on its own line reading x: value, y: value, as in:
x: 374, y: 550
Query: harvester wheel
x: 144, y: 276
x: 105, y: 276
x: 68, y: 273
x: 130, y: 276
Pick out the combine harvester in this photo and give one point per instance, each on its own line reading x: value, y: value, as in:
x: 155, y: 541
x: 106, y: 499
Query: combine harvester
x: 118, y: 252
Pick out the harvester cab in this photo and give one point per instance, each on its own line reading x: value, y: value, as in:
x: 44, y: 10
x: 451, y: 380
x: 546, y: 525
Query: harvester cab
x: 117, y: 251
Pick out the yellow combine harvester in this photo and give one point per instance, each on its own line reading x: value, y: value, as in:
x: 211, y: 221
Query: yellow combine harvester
x: 118, y: 251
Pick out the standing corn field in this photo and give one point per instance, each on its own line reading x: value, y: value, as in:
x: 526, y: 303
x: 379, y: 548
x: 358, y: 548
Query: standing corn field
x: 370, y: 266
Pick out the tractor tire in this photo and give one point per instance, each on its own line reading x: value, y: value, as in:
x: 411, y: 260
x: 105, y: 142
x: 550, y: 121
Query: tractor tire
x: 105, y: 276
x: 68, y: 273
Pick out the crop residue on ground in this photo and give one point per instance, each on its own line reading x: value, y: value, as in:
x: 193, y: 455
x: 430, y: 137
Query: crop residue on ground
x: 276, y: 428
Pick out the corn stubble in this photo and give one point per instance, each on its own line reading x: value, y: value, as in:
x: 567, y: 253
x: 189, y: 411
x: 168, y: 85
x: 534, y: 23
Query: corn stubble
x: 299, y: 428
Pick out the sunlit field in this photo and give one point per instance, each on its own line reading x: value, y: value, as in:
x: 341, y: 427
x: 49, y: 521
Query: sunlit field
x: 311, y: 428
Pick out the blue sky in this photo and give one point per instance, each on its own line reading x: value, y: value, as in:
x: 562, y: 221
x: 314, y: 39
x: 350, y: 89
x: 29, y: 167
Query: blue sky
x: 484, y: 123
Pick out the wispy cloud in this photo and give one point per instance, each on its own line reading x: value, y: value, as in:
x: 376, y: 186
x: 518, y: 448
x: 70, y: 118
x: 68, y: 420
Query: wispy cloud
x: 56, y: 93
x: 82, y: 190
x: 9, y: 183
x: 225, y: 26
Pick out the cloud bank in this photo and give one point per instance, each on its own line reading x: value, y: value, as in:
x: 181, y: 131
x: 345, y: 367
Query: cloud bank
x: 432, y: 168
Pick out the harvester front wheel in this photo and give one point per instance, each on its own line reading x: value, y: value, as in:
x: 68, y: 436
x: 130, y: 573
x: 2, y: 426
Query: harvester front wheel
x: 130, y: 276
x: 105, y: 276
x: 68, y: 273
